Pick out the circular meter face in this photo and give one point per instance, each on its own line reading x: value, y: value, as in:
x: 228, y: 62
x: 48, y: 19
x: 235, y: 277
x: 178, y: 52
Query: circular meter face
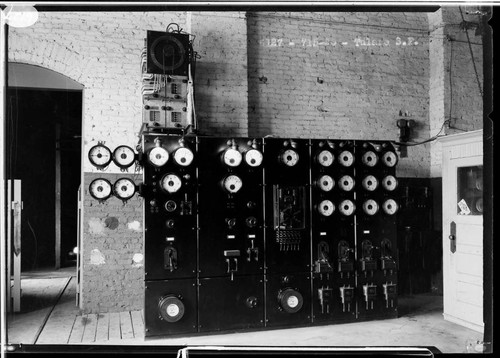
x: 389, y: 183
x: 370, y: 159
x: 370, y: 183
x: 100, y: 156
x: 232, y: 157
x: 325, y: 158
x: 124, y: 156
x: 326, y: 208
x: 390, y: 159
x: 124, y: 188
x: 290, y: 157
x: 346, y: 183
x: 325, y: 183
x: 254, y: 157
x: 100, y: 189
x: 346, y: 158
x: 183, y: 156
x: 232, y: 184
x: 347, y: 207
x: 390, y: 206
x: 370, y: 207
x: 158, y: 156
x: 171, y: 183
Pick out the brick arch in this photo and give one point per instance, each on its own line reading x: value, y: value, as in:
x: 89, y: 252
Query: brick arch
x: 53, y: 56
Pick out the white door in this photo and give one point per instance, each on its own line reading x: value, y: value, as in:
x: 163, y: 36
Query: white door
x: 463, y: 234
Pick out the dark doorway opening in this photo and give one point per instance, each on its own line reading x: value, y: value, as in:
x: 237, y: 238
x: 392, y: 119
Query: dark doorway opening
x: 44, y: 151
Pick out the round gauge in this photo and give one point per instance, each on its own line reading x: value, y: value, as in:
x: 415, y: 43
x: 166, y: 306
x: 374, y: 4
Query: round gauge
x: 347, y: 207
x: 346, y: 158
x: 183, y: 156
x: 346, y: 183
x: 158, y: 156
x: 390, y: 159
x: 325, y: 183
x: 390, y: 206
x: 289, y: 157
x: 389, y: 183
x: 254, y: 157
x: 100, y: 189
x: 370, y: 207
x: 171, y: 308
x: 290, y: 300
x: 100, y: 156
x: 326, y: 208
x: 232, y: 184
x: 123, y: 156
x: 370, y: 183
x: 325, y: 158
x: 124, y: 188
x: 232, y: 157
x: 171, y: 183
x: 370, y: 159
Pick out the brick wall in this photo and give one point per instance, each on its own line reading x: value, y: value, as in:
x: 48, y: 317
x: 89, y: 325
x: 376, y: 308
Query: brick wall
x: 340, y: 75
x: 455, y: 83
x: 247, y: 83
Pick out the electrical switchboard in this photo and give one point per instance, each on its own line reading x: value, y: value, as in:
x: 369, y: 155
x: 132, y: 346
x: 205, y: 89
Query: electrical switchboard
x: 332, y: 228
x: 376, y: 229
x: 251, y: 233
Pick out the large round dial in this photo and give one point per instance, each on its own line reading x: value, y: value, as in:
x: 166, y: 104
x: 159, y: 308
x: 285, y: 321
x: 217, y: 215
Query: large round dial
x: 325, y: 183
x: 232, y: 184
x: 289, y: 157
x: 326, y: 208
x: 389, y: 183
x: 347, y: 207
x: 171, y: 308
x: 325, y: 158
x: 370, y: 207
x: 370, y: 159
x: 253, y: 157
x: 346, y: 183
x: 124, y: 156
x: 183, y: 156
x: 100, y: 156
x: 232, y: 157
x: 290, y: 300
x: 100, y: 189
x: 124, y: 188
x: 370, y: 183
x: 158, y: 156
x: 346, y: 158
x: 171, y: 183
x: 390, y: 159
x: 390, y: 206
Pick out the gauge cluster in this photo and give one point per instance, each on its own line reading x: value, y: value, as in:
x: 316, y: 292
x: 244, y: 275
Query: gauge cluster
x: 284, y: 231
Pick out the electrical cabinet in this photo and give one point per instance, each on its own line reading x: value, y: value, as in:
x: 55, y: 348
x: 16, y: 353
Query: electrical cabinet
x: 254, y: 233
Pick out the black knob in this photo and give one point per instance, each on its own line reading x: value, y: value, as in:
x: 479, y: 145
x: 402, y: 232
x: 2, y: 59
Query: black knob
x: 231, y: 222
x: 251, y: 205
x: 170, y: 223
x: 251, y: 221
x: 146, y: 107
x: 251, y: 302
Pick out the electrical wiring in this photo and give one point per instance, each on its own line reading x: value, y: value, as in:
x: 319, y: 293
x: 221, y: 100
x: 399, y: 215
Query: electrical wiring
x: 436, y: 136
x: 472, y: 55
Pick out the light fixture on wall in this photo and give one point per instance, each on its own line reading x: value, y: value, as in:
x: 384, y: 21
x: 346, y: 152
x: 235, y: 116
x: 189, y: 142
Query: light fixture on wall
x: 405, y: 126
x: 23, y: 15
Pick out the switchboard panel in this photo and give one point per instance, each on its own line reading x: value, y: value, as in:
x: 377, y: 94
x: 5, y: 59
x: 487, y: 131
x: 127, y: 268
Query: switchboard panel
x: 288, y: 299
x: 170, y: 307
x: 227, y: 304
x: 231, y: 207
x: 170, y: 206
x: 287, y: 163
x: 376, y: 229
x: 332, y: 228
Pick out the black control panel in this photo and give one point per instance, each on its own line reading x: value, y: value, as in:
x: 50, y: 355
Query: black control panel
x: 251, y: 233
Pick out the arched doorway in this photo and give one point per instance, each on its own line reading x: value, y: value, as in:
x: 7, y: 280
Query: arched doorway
x: 44, y: 130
